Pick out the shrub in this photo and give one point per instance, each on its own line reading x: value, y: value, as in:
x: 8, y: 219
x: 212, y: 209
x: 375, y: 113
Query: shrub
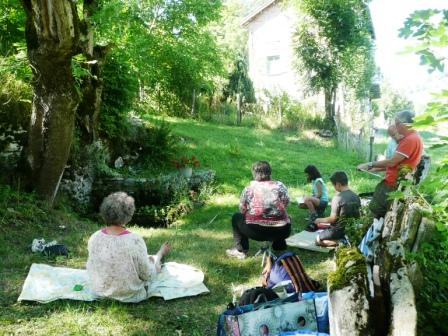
x: 205, y: 192
x: 432, y: 299
x: 294, y: 114
x: 15, y: 109
x: 177, y: 196
x: 204, y: 107
x: 162, y: 102
x: 119, y: 92
x: 152, y: 145
x: 432, y: 257
x: 156, y: 216
x: 356, y: 228
x: 93, y: 158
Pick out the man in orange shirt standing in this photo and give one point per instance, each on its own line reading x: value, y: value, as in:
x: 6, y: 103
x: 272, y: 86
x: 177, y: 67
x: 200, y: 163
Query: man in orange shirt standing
x: 408, y: 153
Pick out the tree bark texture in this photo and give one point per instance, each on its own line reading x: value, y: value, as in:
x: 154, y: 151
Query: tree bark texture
x: 52, y: 35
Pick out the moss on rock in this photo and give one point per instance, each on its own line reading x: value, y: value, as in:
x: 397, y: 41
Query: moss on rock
x: 350, y: 264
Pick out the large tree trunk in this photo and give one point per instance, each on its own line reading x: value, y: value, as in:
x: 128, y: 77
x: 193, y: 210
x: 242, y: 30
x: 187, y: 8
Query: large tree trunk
x: 52, y: 34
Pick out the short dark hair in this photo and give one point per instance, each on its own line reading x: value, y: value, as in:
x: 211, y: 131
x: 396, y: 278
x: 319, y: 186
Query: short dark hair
x: 339, y: 177
x: 313, y: 172
x: 261, y: 171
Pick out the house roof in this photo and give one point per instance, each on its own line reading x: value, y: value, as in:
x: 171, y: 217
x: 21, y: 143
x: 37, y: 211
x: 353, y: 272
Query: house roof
x: 257, y: 11
x: 260, y: 9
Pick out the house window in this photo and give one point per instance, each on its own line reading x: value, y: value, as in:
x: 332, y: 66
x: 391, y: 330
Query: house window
x: 273, y: 65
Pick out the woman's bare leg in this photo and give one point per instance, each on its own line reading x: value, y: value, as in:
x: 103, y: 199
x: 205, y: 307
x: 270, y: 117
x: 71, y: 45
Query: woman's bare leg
x: 311, y: 203
x: 326, y: 242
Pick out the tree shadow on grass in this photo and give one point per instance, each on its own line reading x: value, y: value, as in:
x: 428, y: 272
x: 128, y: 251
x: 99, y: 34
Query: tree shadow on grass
x: 200, y: 240
x: 219, y: 273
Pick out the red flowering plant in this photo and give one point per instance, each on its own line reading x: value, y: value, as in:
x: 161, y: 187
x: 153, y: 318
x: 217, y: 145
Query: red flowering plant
x: 184, y: 162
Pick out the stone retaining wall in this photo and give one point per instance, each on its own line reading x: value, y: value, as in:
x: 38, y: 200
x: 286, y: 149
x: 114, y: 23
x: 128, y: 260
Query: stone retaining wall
x: 150, y: 191
x: 383, y: 304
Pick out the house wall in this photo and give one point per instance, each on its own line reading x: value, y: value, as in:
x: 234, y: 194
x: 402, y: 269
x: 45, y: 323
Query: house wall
x: 271, y: 53
x: 271, y: 68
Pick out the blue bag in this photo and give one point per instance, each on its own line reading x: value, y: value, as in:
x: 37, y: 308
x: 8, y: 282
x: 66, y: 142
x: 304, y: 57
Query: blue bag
x: 321, y: 305
x: 239, y: 310
x: 231, y: 310
x: 289, y: 267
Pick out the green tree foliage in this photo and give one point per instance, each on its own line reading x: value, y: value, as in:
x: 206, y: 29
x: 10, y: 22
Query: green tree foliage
x: 230, y: 36
x: 232, y: 40
x: 334, y: 44
x: 15, y: 108
x: 167, y: 43
x: 15, y: 74
x: 430, y: 29
x: 12, y: 23
x: 240, y: 83
x: 119, y: 91
x: 391, y: 101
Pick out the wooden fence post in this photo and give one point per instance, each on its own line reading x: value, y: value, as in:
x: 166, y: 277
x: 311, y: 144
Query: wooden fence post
x: 193, y: 112
x: 238, y: 109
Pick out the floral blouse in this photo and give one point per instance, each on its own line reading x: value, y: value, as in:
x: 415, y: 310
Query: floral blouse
x: 264, y: 203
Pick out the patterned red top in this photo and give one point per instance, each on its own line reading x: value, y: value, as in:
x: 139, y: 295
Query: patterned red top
x: 264, y: 203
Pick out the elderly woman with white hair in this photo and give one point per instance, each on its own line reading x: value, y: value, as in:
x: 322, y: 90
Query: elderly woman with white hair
x: 118, y: 264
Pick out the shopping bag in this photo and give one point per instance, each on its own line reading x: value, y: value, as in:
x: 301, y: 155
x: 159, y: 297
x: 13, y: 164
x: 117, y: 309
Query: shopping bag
x: 272, y: 318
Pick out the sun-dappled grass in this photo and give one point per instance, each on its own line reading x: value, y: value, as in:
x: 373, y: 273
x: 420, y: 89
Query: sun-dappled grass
x: 199, y: 238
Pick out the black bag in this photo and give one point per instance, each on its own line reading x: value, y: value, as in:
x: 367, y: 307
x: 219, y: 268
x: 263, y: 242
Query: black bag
x: 55, y: 250
x: 257, y: 295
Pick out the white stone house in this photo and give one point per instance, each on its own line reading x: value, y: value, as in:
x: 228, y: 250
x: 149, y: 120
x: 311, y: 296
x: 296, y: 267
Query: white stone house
x: 270, y: 47
x: 271, y: 29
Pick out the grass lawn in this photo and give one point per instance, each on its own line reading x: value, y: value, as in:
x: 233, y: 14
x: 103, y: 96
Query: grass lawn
x: 195, y: 240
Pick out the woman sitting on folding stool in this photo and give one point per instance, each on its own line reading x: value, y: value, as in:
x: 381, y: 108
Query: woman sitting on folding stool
x: 262, y: 215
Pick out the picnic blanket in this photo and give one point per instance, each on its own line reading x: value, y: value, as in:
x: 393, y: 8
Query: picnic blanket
x: 45, y: 283
x: 306, y: 240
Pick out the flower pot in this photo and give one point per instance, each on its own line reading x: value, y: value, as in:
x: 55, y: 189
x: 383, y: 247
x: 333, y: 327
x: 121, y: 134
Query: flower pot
x: 186, y: 171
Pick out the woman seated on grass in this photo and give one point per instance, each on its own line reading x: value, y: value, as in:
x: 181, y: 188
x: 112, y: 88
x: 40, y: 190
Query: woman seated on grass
x: 118, y: 264
x: 262, y: 215
x: 318, y: 201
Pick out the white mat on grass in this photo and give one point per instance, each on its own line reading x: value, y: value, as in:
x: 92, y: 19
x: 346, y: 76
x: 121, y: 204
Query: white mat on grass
x: 306, y: 240
x: 45, y: 283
